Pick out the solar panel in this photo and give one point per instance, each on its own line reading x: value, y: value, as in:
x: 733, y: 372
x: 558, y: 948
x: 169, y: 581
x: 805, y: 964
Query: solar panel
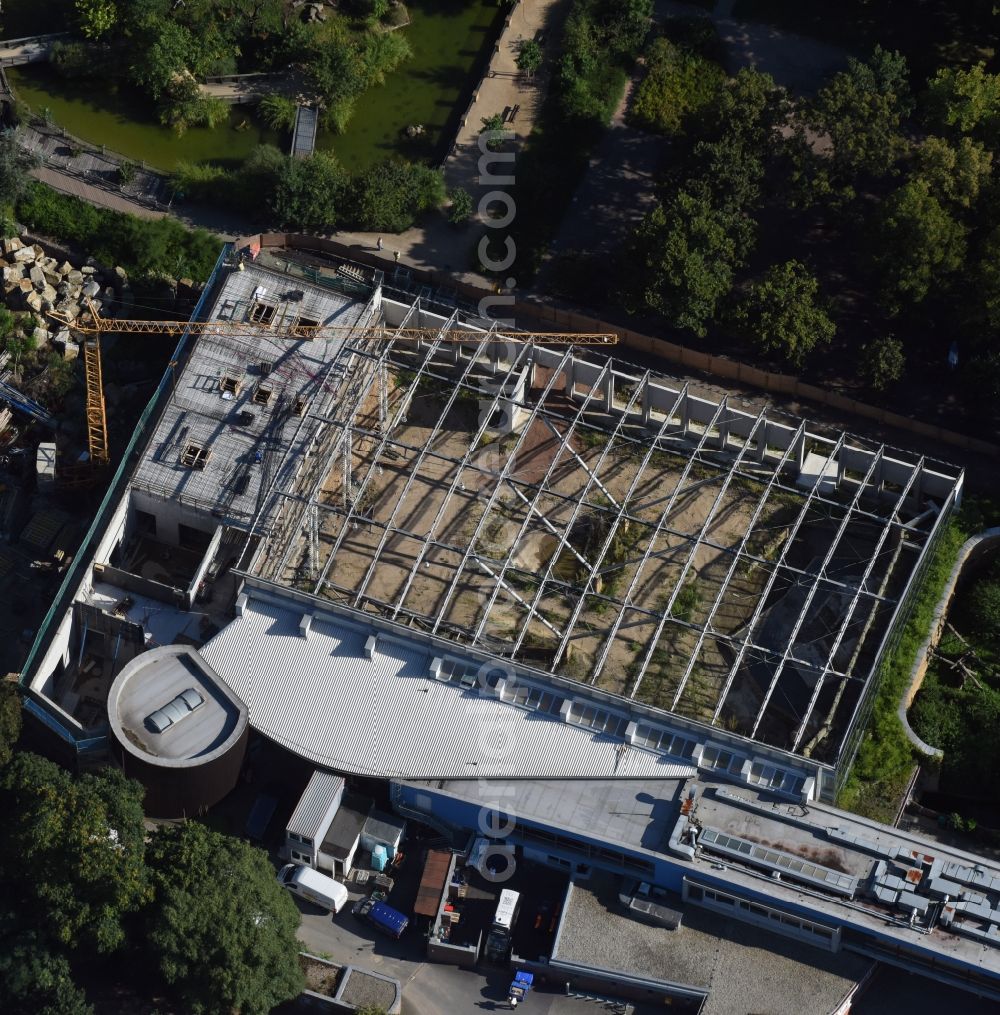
x: 787, y: 864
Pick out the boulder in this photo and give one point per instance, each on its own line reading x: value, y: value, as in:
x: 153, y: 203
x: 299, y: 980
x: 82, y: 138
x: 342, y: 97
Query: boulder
x: 70, y: 350
x: 13, y: 274
x: 39, y: 250
x: 49, y: 293
x: 41, y: 337
x: 37, y: 277
x: 88, y: 269
x: 74, y: 277
x: 91, y: 289
x: 71, y: 311
x: 63, y: 289
x: 11, y: 244
x: 24, y: 289
x: 33, y: 301
x: 24, y: 254
x: 65, y: 268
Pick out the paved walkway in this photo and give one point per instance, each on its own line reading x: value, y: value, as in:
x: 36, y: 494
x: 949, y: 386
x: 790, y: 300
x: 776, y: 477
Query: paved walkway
x: 33, y: 49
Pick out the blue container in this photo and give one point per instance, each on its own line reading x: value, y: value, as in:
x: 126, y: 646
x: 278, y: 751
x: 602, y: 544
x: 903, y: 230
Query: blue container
x: 379, y: 858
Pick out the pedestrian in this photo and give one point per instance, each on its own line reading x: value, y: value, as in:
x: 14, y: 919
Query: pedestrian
x: 378, y: 245
x: 395, y: 256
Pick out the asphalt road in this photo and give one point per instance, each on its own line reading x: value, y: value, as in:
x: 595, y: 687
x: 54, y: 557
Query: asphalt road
x: 429, y: 988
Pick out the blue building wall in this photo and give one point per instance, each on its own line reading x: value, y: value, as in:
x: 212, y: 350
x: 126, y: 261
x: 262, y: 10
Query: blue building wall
x: 593, y: 851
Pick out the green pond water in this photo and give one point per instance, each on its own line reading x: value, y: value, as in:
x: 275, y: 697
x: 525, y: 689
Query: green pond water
x: 450, y: 40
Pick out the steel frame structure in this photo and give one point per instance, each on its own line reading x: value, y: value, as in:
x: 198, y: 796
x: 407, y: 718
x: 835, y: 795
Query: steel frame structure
x: 627, y: 431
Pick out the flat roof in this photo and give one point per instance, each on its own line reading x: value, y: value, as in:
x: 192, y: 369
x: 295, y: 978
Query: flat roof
x: 345, y: 829
x: 627, y: 812
x: 815, y: 839
x: 743, y: 968
x: 230, y: 410
x: 153, y: 679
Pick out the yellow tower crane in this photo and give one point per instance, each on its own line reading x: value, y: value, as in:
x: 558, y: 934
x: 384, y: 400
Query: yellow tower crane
x: 97, y: 426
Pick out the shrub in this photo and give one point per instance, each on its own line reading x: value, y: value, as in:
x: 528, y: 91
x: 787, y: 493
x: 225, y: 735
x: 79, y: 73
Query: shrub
x: 529, y: 56
x: 677, y: 84
x: 461, y: 207
x: 141, y: 247
x: 882, y: 362
x: 390, y: 195
x: 277, y: 111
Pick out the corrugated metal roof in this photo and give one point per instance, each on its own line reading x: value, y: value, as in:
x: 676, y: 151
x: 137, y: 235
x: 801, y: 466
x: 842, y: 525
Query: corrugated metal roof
x: 385, y: 717
x: 313, y: 808
x: 432, y: 882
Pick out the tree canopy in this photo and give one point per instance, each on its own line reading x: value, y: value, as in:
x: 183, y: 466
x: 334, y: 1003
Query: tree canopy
x: 34, y: 981
x: 917, y: 245
x: 862, y: 109
x: 220, y: 926
x: 782, y: 312
x: 73, y: 861
x: 10, y: 700
x: 685, y: 253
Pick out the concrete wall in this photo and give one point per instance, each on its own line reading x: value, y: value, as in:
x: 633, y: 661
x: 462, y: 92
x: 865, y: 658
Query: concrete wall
x: 553, y: 317
x: 59, y: 648
x: 971, y: 553
x: 185, y: 792
x: 141, y: 586
x: 206, y: 561
x: 170, y: 514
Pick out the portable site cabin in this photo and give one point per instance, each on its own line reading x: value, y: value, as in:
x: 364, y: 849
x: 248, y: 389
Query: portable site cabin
x: 312, y: 818
x: 385, y: 830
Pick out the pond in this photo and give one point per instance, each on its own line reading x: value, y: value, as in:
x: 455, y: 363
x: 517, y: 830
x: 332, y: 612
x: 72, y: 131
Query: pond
x: 451, y: 41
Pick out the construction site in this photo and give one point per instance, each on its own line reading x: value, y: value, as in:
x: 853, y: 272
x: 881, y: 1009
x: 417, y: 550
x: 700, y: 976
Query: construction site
x: 543, y: 503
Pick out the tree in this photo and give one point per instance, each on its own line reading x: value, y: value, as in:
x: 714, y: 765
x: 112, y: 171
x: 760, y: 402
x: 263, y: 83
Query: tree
x: 97, y: 17
x: 749, y: 108
x: 15, y: 166
x: 965, y: 102
x: 10, y: 720
x: 782, y: 312
x: 861, y: 109
x: 624, y: 25
x: 954, y: 173
x: 984, y: 290
x: 309, y: 193
x: 33, y: 981
x: 677, y: 85
x: 20, y: 346
x: 529, y: 56
x: 882, y: 361
x: 391, y: 194
x: 682, y: 258
x: 73, y: 861
x: 461, y: 206
x: 221, y: 927
x: 166, y: 49
x: 917, y: 243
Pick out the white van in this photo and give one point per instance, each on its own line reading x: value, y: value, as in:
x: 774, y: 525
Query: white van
x: 315, y: 887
